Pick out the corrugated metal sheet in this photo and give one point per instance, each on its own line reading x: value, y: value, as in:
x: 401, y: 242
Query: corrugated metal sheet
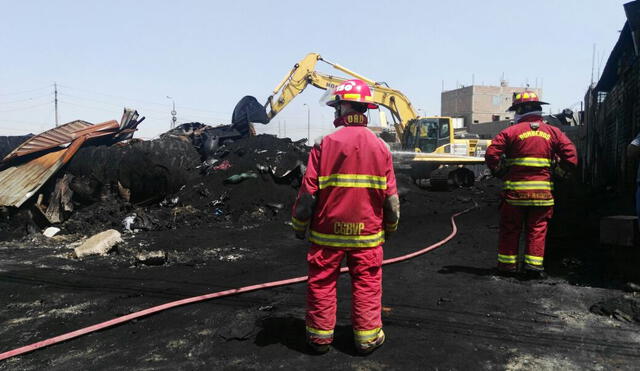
x: 49, y: 139
x: 21, y: 182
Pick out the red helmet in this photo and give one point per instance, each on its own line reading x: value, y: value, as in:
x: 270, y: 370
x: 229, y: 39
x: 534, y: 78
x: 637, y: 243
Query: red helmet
x: 524, y: 97
x: 352, y: 91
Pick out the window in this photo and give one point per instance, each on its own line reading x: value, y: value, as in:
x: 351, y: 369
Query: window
x: 495, y: 117
x: 495, y: 100
x: 476, y: 121
x: 507, y: 118
x: 444, y: 128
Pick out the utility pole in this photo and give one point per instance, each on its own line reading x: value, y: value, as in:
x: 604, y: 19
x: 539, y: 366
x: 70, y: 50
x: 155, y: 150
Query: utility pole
x: 55, y: 100
x: 173, y: 113
x: 308, y: 123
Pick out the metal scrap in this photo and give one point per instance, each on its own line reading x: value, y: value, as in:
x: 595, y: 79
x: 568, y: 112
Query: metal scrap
x: 28, y: 167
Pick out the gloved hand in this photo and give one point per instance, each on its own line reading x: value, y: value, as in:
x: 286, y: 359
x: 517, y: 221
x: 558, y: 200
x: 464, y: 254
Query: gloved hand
x: 560, y: 174
x: 499, y: 171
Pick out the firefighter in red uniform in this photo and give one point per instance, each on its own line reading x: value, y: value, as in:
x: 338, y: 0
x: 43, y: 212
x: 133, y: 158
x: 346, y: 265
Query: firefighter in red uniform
x: 524, y: 155
x: 348, y: 200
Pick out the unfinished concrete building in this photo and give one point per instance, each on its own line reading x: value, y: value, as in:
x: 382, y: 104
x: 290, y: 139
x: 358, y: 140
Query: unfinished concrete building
x: 479, y: 104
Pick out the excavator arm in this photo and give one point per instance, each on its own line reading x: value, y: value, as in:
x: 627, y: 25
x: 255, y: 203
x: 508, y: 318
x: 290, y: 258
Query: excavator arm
x: 443, y: 165
x: 304, y: 73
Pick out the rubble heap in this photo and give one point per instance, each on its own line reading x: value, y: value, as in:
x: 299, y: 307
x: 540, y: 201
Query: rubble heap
x: 175, y: 181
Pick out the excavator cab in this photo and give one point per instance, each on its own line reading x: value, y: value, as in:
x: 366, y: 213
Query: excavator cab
x: 426, y: 134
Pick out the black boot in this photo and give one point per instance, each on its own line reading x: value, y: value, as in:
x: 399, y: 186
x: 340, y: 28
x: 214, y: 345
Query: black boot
x: 533, y: 274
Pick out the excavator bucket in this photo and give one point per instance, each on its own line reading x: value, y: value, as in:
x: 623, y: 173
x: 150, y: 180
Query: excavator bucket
x: 248, y: 110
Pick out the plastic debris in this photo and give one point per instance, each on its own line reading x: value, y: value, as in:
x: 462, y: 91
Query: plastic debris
x: 51, y: 231
x: 237, y: 178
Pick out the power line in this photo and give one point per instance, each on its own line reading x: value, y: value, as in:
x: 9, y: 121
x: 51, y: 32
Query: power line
x: 25, y: 91
x: 26, y: 108
x: 26, y: 99
x: 143, y: 101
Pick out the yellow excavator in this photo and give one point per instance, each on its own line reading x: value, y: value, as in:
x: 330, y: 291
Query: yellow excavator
x: 425, y: 145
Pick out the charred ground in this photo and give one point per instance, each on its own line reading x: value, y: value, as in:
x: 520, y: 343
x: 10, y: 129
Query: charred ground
x: 444, y: 310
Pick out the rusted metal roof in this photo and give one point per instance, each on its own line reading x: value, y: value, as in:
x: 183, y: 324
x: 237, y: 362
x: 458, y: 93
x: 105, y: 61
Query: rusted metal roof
x: 21, y: 181
x: 52, y: 138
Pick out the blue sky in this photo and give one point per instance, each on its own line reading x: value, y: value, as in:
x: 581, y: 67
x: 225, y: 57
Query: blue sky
x: 206, y: 55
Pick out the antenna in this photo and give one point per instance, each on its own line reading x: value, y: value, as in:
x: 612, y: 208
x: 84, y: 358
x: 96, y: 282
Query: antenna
x: 593, y: 61
x: 601, y: 57
x: 55, y: 100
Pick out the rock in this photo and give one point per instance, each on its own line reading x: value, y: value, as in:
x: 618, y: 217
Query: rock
x: 99, y: 244
x: 51, y: 231
x: 151, y: 258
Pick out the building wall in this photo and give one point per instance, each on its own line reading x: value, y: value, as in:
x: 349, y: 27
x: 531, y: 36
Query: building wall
x: 480, y: 104
x: 612, y: 120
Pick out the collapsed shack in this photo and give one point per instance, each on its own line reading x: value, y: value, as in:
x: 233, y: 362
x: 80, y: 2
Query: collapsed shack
x: 176, y: 181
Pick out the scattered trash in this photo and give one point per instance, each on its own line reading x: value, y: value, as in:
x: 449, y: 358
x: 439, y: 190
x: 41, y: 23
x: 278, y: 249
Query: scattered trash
x: 222, y: 166
x: 151, y: 258
x: 99, y: 244
x: 128, y: 222
x: 275, y: 206
x: 51, y: 231
x: 625, y: 309
x: 237, y: 178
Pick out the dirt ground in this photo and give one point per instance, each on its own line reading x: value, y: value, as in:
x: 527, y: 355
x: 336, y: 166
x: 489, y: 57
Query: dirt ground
x: 444, y: 310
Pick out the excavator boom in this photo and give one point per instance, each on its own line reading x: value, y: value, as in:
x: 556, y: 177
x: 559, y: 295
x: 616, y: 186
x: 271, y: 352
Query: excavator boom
x: 411, y: 130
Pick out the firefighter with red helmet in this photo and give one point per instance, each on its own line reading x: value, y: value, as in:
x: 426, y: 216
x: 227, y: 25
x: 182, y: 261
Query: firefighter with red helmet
x: 349, y: 203
x: 523, y: 155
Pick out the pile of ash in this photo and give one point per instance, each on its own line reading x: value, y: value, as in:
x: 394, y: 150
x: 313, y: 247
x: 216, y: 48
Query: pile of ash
x: 172, y: 182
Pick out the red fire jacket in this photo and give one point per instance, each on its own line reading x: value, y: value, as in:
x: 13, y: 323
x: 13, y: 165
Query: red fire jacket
x: 349, y: 175
x: 529, y: 153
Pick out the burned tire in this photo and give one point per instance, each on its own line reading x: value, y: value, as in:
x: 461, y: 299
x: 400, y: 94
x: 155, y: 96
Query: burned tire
x: 150, y: 170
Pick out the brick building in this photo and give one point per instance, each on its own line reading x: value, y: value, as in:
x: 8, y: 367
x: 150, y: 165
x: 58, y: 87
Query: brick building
x: 479, y: 104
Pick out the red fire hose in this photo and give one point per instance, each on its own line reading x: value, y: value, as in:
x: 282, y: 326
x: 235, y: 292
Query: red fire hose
x: 177, y: 303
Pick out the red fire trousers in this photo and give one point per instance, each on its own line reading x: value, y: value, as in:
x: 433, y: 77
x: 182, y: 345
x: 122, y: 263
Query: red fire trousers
x: 535, y: 220
x: 365, y: 268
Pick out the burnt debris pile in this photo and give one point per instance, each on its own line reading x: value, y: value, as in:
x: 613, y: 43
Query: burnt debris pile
x: 191, y: 176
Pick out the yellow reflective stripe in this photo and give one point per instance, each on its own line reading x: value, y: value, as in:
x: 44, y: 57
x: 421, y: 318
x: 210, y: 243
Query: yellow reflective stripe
x: 530, y: 202
x: 364, y: 335
x: 533, y: 260
x: 353, y: 180
x: 351, y: 96
x: 298, y: 224
x: 529, y: 161
x: 338, y: 240
x: 507, y: 259
x: 528, y: 185
x: 320, y: 333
